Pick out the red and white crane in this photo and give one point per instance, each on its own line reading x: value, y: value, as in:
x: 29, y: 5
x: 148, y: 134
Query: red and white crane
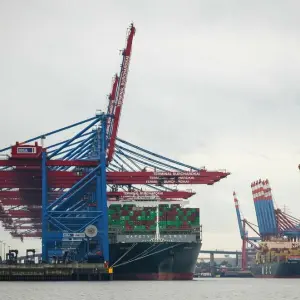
x: 68, y: 165
x: 117, y: 96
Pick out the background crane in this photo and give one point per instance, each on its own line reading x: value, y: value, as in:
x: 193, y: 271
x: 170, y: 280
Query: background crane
x: 248, y: 243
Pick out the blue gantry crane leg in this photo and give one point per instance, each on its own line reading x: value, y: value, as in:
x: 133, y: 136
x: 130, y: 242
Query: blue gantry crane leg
x: 102, y: 196
x: 67, y: 216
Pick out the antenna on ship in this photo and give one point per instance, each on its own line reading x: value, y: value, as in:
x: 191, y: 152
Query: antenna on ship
x: 157, y: 237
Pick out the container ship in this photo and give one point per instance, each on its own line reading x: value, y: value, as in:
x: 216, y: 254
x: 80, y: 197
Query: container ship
x: 154, y: 241
x: 277, y: 259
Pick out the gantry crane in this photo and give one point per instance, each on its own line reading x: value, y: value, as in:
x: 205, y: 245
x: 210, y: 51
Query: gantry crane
x: 59, y: 192
x: 243, y: 228
x: 273, y: 223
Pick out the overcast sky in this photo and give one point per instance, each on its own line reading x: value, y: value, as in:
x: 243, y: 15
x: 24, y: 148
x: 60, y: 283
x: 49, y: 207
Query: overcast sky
x: 212, y: 83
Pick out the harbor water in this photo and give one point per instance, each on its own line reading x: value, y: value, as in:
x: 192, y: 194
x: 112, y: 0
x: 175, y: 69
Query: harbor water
x: 206, y: 288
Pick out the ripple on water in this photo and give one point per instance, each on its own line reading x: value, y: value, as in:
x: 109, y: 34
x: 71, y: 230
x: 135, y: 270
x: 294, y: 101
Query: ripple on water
x: 207, y: 288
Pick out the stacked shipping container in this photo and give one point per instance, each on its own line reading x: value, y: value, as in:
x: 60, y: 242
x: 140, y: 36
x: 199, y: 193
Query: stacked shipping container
x: 143, y: 219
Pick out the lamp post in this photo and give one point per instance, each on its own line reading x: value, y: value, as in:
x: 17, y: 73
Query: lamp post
x: 1, y: 249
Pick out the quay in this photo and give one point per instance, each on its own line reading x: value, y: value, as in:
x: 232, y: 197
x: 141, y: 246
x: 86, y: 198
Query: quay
x: 55, y: 272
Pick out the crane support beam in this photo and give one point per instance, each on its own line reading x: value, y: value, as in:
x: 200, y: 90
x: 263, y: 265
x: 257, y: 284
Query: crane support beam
x: 66, y: 179
x: 14, y: 198
x: 42, y: 136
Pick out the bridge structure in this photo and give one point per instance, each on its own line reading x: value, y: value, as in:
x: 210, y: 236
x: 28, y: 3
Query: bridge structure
x: 225, y: 252
x: 212, y: 254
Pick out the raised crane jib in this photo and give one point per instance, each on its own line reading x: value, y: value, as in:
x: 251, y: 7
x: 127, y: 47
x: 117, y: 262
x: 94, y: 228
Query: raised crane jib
x: 120, y: 92
x: 238, y: 214
x: 111, y: 105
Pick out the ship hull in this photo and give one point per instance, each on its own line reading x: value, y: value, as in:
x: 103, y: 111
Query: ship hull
x: 154, y: 261
x: 277, y: 270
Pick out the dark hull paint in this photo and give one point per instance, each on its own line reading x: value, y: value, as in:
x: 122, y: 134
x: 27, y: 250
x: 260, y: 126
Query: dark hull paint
x: 160, y: 261
x: 277, y: 270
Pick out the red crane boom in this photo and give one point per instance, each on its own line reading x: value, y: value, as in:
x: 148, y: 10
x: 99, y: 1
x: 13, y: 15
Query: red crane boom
x: 64, y: 179
x: 120, y: 94
x: 33, y: 197
x: 111, y: 104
